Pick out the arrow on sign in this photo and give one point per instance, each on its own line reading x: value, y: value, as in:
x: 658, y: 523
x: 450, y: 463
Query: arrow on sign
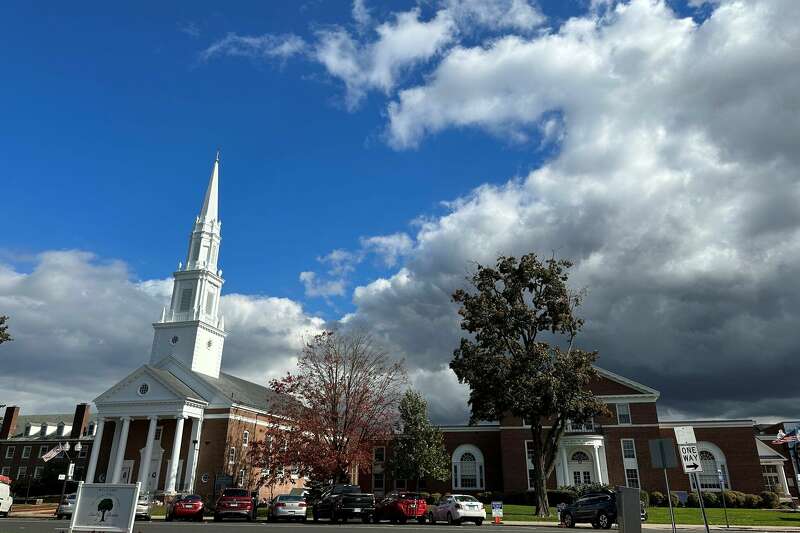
x: 693, y: 466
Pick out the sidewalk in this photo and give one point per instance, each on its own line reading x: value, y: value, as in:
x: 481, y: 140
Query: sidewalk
x: 679, y: 527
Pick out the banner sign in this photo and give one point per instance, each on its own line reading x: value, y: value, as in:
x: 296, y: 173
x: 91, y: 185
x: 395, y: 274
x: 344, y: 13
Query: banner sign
x: 497, y: 509
x: 105, y: 507
x: 52, y: 453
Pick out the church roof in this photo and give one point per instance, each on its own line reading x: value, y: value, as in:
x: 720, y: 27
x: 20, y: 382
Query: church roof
x: 243, y: 392
x: 210, y: 209
x: 176, y: 384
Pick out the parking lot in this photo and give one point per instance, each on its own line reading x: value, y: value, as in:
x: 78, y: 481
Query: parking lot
x: 32, y: 525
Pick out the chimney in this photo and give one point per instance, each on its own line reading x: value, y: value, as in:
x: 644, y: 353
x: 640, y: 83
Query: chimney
x: 9, y: 422
x: 80, y: 421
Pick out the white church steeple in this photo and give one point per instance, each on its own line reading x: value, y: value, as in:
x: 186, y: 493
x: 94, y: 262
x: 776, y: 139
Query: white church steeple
x: 192, y: 329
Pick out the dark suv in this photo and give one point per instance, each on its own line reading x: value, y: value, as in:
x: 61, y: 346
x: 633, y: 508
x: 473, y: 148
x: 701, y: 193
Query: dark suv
x: 598, y: 509
x: 341, y: 502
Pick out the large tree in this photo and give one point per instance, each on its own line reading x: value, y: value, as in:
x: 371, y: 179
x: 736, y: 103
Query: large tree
x: 418, y: 450
x: 342, y: 397
x: 510, y: 370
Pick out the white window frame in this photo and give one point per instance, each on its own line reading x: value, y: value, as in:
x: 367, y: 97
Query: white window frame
x: 383, y: 481
x: 620, y: 415
x: 241, y: 477
x: 480, y: 469
x: 43, y: 449
x: 22, y: 472
x: 721, y: 462
x: 630, y: 463
x: 37, y: 472
x: 43, y: 430
x: 10, y: 452
x: 5, y: 471
x: 245, y: 438
x: 159, y: 431
x: 232, y: 455
x: 26, y: 451
x: 628, y: 481
x: 529, y: 465
x: 84, y: 451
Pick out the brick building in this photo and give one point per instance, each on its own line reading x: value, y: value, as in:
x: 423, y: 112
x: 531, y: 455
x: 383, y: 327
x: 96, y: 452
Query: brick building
x: 612, y: 450
x: 25, y: 439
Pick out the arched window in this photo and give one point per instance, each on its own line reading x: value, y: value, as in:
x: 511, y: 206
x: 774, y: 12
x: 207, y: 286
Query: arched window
x: 715, y: 469
x: 580, y: 457
x: 468, y: 472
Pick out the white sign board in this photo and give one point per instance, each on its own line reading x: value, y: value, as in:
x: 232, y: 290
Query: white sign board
x: 690, y: 458
x: 685, y: 435
x: 497, y: 509
x: 105, y: 507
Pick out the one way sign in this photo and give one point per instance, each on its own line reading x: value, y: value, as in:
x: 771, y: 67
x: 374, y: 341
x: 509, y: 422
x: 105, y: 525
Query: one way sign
x: 690, y: 458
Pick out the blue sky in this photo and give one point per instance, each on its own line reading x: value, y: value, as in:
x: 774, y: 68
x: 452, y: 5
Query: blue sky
x: 650, y: 141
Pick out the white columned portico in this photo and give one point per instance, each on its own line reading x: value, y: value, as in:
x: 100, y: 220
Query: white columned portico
x: 144, y: 467
x: 120, y: 455
x: 194, y: 447
x: 172, y: 474
x: 597, y: 471
x: 98, y: 440
x: 112, y: 457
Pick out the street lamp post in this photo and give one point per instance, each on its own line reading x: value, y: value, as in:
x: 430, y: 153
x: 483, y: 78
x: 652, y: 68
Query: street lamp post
x: 65, y: 448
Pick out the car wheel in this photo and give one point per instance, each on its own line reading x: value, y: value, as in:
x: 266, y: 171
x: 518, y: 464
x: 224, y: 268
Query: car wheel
x: 314, y: 515
x: 217, y: 518
x: 478, y: 522
x: 366, y: 519
x: 604, y: 521
x: 452, y: 521
x: 421, y: 520
x: 168, y: 518
x: 431, y: 521
x: 198, y: 517
x: 568, y: 520
x: 403, y: 520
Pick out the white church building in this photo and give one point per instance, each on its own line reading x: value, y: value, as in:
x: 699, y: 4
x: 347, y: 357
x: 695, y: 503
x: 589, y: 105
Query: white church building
x: 178, y: 423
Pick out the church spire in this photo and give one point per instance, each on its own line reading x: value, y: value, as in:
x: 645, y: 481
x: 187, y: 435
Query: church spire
x: 211, y: 200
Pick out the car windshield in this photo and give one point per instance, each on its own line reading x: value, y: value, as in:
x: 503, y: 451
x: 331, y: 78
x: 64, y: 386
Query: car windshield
x: 192, y: 498
x: 238, y: 493
x: 465, y: 499
x: 346, y: 489
x: 290, y: 498
x: 408, y: 496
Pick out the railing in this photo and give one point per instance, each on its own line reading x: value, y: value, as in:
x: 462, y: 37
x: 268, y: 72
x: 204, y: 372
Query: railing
x: 586, y: 427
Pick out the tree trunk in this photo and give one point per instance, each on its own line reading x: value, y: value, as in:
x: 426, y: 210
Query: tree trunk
x: 539, y: 480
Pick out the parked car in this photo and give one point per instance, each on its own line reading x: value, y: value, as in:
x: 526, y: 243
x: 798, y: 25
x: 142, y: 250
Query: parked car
x: 286, y: 506
x: 401, y: 506
x: 6, y: 501
x: 66, y: 506
x: 340, y: 502
x: 143, y: 505
x: 235, y: 503
x: 598, y: 509
x: 457, y: 508
x: 189, y: 507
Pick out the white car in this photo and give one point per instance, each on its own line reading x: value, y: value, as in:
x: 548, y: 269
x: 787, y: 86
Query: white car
x: 5, y: 498
x: 143, y: 505
x: 457, y: 508
x: 66, y: 507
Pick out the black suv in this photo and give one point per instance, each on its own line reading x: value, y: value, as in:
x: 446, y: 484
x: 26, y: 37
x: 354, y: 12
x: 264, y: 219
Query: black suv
x: 598, y: 509
x: 341, y: 502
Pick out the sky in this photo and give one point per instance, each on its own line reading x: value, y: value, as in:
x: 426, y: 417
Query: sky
x: 373, y: 152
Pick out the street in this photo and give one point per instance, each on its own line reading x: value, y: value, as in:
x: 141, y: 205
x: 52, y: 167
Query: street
x: 33, y: 525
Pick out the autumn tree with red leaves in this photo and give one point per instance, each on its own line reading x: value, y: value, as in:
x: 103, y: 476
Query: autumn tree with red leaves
x: 342, y: 397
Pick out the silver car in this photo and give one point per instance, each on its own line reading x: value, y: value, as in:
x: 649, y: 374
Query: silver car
x: 143, y: 505
x: 288, y: 507
x: 66, y: 507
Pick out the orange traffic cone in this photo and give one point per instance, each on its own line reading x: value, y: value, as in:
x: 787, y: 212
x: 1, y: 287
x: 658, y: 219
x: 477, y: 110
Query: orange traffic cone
x: 497, y: 521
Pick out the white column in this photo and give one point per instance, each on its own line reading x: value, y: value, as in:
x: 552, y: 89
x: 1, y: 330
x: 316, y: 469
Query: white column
x: 144, y: 467
x: 112, y: 456
x: 784, y: 482
x: 597, y: 470
x: 194, y: 453
x: 123, y: 441
x: 98, y: 440
x: 172, y: 475
x: 565, y: 466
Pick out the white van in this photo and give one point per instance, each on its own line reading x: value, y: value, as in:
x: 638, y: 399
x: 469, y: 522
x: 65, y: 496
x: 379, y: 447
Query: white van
x: 5, y: 499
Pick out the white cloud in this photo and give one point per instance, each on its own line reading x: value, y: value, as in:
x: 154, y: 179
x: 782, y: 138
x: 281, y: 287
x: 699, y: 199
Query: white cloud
x: 389, y: 247
x: 495, y: 14
x: 314, y: 287
x: 376, y: 64
x: 361, y: 13
x: 267, y: 46
x: 81, y: 323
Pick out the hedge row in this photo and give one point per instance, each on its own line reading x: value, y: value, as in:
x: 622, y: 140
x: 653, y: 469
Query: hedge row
x: 734, y: 499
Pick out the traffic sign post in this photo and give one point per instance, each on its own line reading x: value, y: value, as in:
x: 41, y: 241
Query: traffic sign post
x: 690, y: 459
x: 722, y: 489
x: 662, y: 455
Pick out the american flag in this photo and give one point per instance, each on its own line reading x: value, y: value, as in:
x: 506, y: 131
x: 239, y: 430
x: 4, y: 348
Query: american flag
x: 52, y: 453
x: 783, y: 438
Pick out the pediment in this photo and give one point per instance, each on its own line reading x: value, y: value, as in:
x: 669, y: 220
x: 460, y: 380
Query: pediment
x: 610, y: 384
x: 148, y: 384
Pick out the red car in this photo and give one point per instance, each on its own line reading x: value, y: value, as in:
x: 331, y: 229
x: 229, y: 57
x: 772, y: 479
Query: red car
x: 186, y: 507
x: 235, y: 503
x: 401, y: 506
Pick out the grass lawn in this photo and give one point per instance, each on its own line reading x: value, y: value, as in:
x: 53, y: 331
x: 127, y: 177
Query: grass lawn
x: 660, y: 515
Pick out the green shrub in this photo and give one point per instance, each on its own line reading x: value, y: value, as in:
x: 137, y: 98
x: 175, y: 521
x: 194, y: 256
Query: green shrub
x: 676, y: 501
x: 434, y: 497
x: 734, y: 498
x: 710, y: 499
x: 692, y: 500
x: 657, y: 499
x: 557, y: 496
x: 592, y: 487
x: 752, y: 501
x: 770, y: 500
x: 488, y: 497
x: 644, y: 497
